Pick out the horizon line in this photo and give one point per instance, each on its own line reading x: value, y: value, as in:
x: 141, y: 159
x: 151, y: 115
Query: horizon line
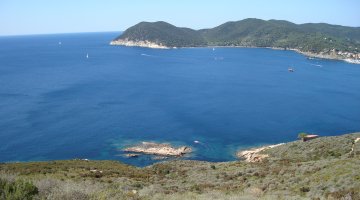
x: 59, y: 33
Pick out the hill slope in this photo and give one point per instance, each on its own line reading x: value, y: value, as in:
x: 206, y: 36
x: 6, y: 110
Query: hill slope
x: 163, y: 34
x: 283, y: 34
x: 323, y: 168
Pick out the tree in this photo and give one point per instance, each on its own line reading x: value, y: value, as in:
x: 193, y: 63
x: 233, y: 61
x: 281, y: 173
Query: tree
x: 302, y: 136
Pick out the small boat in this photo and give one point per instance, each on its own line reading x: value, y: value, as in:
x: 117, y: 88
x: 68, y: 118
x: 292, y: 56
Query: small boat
x: 87, y: 55
x: 196, y: 142
x: 59, y: 43
x: 213, y: 49
x: 291, y: 69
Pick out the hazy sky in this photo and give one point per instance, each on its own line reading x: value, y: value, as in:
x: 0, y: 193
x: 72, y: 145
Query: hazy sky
x: 18, y: 17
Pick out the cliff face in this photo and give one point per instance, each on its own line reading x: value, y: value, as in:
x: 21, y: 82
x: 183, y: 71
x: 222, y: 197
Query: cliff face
x: 322, y: 168
x: 138, y: 43
x: 320, y: 40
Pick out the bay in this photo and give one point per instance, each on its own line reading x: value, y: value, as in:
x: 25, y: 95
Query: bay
x: 55, y: 103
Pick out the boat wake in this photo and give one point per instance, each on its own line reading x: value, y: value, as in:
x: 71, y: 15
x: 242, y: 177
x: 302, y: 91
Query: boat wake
x: 144, y: 54
x: 202, y: 144
x: 315, y: 65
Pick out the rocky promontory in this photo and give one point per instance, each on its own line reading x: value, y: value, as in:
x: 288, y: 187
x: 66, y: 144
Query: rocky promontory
x: 160, y: 149
x: 255, y: 155
x: 140, y: 43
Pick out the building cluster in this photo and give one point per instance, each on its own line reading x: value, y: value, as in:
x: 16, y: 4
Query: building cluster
x: 347, y: 54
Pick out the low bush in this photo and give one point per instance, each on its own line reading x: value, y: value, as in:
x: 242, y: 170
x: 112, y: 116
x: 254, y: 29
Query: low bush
x: 17, y: 190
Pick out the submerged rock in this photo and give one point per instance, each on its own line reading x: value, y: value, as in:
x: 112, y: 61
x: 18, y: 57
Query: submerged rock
x: 161, y: 149
x: 159, y: 157
x: 131, y: 155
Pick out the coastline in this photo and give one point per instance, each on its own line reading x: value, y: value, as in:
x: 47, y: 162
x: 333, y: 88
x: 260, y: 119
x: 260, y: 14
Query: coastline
x: 251, y: 154
x: 254, y: 154
x: 152, y: 45
x: 131, y: 43
x: 325, y: 168
x: 327, y: 56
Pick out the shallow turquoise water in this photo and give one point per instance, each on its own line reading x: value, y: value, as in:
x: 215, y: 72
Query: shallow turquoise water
x: 57, y: 104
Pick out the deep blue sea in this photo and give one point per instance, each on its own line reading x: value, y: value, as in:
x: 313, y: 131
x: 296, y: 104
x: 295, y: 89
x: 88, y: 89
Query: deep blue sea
x: 57, y: 104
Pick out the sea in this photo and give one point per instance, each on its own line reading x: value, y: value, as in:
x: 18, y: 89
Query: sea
x: 73, y: 96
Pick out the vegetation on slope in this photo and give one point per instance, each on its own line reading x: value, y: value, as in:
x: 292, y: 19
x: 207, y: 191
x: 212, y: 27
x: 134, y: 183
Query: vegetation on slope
x: 314, y: 38
x: 163, y: 33
x: 323, y: 168
x: 284, y: 34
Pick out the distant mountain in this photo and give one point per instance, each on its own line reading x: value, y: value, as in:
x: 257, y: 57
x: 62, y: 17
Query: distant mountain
x: 320, y: 38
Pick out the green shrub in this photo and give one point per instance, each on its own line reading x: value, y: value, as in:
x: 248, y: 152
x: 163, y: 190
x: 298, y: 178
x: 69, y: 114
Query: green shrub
x: 17, y: 190
x: 304, y: 189
x: 334, y: 154
x: 302, y: 135
x: 344, y: 194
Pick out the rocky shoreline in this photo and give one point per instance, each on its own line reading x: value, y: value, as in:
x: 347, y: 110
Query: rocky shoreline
x: 332, y: 55
x: 326, y: 168
x: 145, y: 43
x: 160, y: 149
x: 255, y: 155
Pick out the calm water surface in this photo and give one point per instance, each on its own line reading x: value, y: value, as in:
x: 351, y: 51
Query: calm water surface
x: 57, y: 104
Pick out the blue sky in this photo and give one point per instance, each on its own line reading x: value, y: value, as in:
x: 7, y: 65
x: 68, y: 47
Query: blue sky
x: 19, y: 17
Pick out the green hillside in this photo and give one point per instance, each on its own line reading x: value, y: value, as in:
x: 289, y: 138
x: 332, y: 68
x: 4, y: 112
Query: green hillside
x: 284, y: 34
x: 323, y: 168
x: 165, y: 34
x: 314, y: 38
